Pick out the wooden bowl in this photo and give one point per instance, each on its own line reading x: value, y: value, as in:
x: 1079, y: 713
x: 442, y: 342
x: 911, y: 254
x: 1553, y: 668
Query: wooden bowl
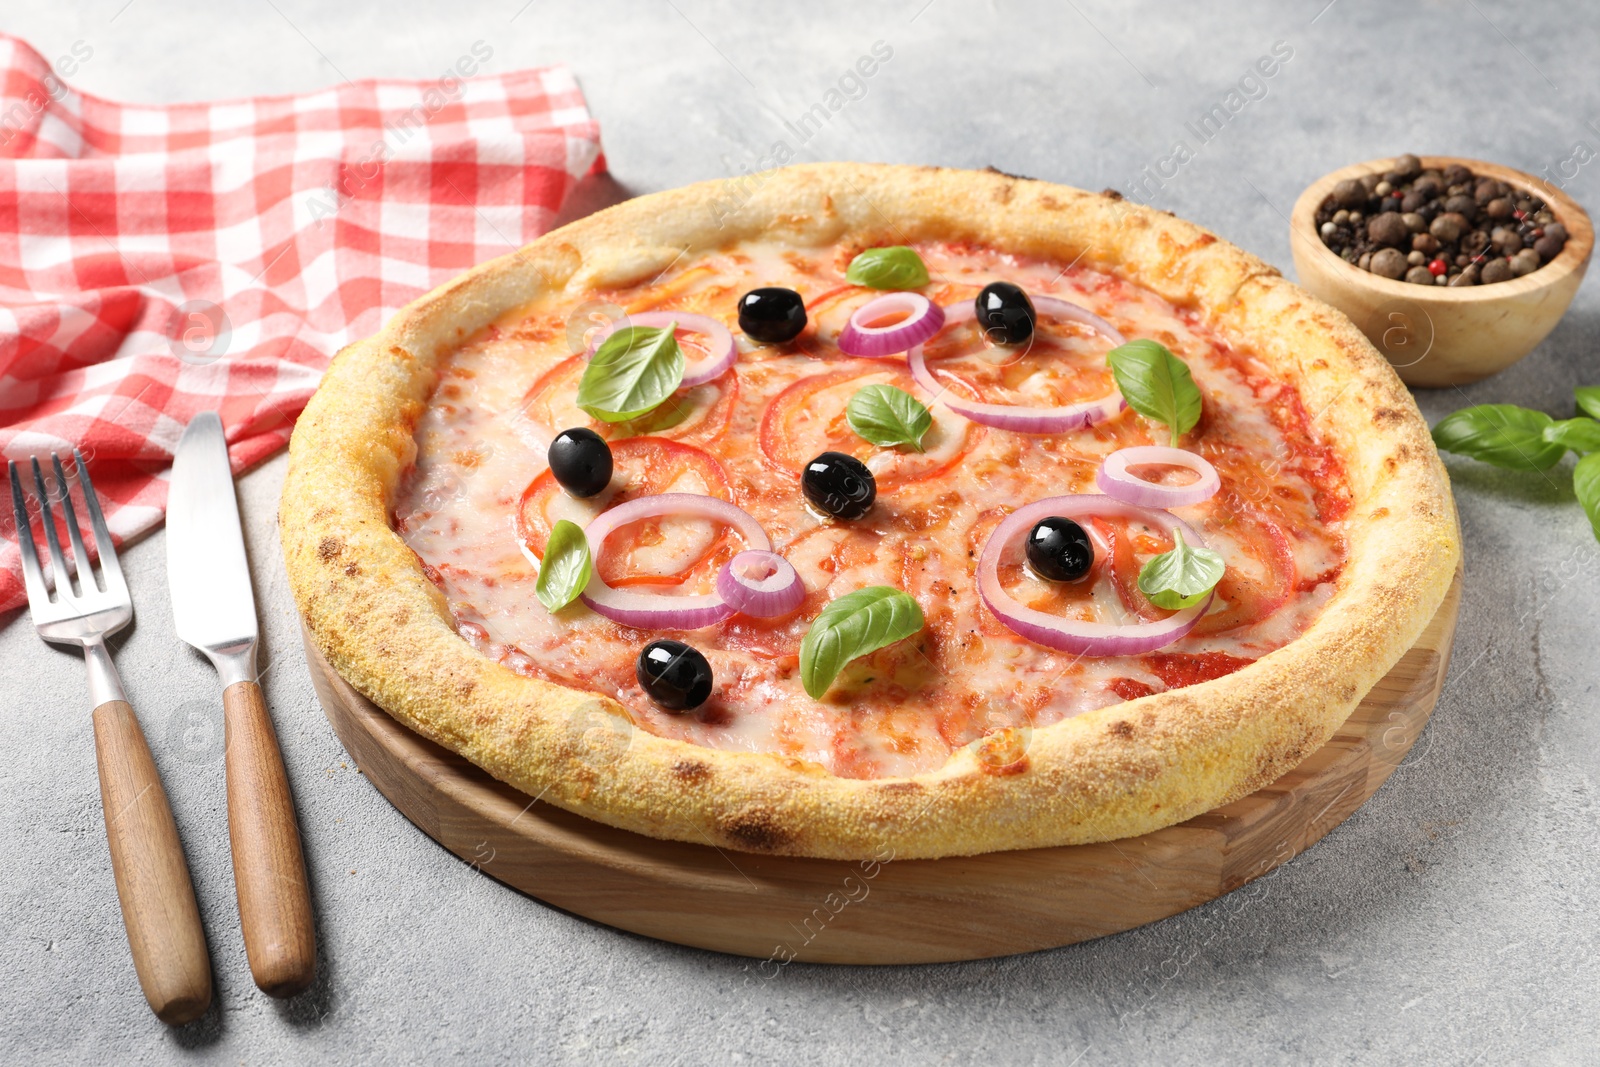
x: 1445, y: 335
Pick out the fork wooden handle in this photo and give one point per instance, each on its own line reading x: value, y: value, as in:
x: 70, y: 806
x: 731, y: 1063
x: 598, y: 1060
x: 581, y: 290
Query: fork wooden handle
x: 158, y: 906
x: 269, y: 869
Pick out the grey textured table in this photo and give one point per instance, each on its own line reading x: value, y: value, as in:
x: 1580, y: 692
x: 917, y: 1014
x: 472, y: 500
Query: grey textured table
x: 1451, y: 920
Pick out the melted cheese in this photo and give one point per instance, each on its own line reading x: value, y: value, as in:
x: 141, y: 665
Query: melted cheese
x: 906, y: 708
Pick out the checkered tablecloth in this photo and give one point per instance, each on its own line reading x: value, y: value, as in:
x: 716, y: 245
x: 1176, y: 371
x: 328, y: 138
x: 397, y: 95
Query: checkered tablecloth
x: 157, y: 261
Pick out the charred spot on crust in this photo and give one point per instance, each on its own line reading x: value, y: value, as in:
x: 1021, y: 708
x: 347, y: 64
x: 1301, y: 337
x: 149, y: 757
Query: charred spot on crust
x: 691, y: 772
x: 1120, y: 729
x: 352, y: 569
x: 1203, y: 240
x: 1383, y: 416
x: 329, y: 548
x: 1049, y: 203
x: 1111, y: 194
x: 756, y: 831
x: 901, y: 787
x: 992, y: 169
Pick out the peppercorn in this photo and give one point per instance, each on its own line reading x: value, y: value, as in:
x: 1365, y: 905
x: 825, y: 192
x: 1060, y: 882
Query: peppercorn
x: 1525, y: 262
x: 1549, y: 246
x: 1448, y: 227
x: 1349, y: 193
x: 1389, y: 263
x: 1496, y: 270
x: 1419, y: 275
x: 1426, y: 243
x: 1388, y: 229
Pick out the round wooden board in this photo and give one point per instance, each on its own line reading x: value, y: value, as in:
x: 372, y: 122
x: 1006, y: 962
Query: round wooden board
x: 778, y: 908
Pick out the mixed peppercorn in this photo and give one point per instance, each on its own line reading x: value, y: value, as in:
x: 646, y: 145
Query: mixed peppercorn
x: 1439, y: 227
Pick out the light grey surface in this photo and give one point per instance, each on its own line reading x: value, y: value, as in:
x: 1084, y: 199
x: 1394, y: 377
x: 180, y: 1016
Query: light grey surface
x: 1451, y: 920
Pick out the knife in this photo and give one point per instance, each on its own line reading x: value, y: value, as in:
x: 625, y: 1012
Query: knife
x: 214, y: 609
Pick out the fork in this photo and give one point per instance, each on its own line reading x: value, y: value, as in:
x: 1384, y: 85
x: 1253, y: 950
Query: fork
x: 153, y: 884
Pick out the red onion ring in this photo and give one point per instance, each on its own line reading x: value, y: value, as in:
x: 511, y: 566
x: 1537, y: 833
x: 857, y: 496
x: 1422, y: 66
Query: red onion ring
x: 1021, y: 419
x: 778, y: 592
x: 1074, y: 635
x: 924, y: 318
x: 1115, y: 480
x: 719, y: 341
x: 647, y: 611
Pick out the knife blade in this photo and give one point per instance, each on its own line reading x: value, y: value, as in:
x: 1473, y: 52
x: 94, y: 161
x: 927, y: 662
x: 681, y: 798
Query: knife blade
x: 214, y: 609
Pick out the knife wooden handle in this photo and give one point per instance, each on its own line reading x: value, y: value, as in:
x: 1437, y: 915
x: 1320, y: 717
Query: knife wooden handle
x: 269, y: 870
x: 153, y: 885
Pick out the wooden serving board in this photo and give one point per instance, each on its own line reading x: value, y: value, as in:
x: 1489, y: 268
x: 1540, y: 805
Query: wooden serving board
x: 778, y: 908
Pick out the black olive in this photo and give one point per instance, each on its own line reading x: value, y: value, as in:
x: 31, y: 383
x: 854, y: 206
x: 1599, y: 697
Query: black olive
x: 1005, y: 314
x: 772, y: 315
x: 580, y: 459
x: 840, y: 485
x: 674, y: 675
x: 1059, y: 549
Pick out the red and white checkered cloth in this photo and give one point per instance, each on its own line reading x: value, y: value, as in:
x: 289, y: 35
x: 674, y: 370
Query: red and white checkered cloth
x: 160, y: 261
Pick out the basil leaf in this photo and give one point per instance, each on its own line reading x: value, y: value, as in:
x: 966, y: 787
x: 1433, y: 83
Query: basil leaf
x: 1180, y: 578
x: 565, y: 569
x: 1580, y: 435
x: 1156, y: 384
x: 1502, y: 434
x: 897, y: 267
x: 1586, y: 483
x: 852, y: 626
x: 634, y: 371
x: 1588, y: 400
x: 888, y: 416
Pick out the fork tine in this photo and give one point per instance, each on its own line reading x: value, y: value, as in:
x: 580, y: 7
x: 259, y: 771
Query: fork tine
x: 32, y: 576
x: 58, y: 563
x: 109, y: 564
x: 80, y: 555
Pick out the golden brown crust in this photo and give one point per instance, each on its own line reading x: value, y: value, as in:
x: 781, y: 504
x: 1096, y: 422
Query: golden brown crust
x: 1116, y: 772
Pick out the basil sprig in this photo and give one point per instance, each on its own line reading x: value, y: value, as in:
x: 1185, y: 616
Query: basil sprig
x: 1156, y: 384
x: 566, y: 567
x: 635, y: 371
x: 888, y: 416
x: 1180, y: 578
x: 853, y: 626
x: 1502, y: 434
x: 1586, y: 483
x: 1588, y: 400
x: 896, y: 267
x: 1521, y: 439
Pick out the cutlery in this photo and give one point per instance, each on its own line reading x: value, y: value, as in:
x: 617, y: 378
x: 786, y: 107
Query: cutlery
x: 153, y: 884
x: 214, y: 609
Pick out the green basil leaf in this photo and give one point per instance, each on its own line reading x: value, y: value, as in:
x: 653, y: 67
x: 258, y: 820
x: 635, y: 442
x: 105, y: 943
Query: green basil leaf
x: 1580, y: 435
x: 565, y: 569
x: 1180, y: 578
x: 1156, y: 384
x: 897, y: 267
x: 1588, y: 400
x: 1586, y: 483
x: 635, y: 370
x: 852, y: 626
x: 1502, y: 434
x: 888, y: 416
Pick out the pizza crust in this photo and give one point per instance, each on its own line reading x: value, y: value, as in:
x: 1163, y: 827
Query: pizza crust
x: 1117, y: 772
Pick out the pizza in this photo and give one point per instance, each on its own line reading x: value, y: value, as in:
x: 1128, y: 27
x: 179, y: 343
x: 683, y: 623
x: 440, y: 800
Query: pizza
x: 938, y: 511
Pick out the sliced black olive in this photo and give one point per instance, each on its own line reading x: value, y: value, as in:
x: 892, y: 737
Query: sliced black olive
x: 1059, y: 550
x: 1005, y: 314
x: 580, y: 460
x: 840, y: 485
x: 674, y: 675
x: 772, y: 315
